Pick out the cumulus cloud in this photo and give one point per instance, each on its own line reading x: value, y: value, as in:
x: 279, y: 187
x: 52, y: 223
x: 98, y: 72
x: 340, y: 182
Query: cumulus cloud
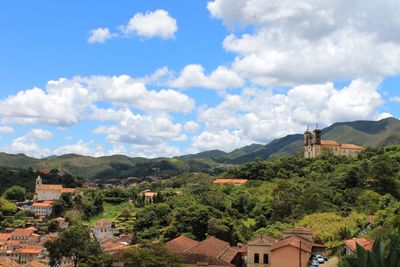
x: 6, y: 130
x: 193, y: 76
x: 65, y: 102
x: 138, y: 129
x: 39, y: 134
x: 99, y: 35
x: 152, y: 24
x: 80, y: 148
x: 191, y: 126
x: 261, y: 115
x: 295, y: 42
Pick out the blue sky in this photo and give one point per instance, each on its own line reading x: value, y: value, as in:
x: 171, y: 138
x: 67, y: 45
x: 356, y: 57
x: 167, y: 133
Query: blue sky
x: 163, y: 78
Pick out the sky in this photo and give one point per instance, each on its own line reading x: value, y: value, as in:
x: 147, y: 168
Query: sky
x: 166, y: 78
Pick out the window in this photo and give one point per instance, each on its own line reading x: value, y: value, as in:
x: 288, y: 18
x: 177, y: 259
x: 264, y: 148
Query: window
x: 256, y: 258
x: 266, y: 259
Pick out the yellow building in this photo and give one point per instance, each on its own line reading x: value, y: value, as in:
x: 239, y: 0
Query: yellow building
x: 314, y: 146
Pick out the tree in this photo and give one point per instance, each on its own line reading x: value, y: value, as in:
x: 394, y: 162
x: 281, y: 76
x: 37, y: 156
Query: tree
x: 148, y: 255
x: 76, y: 244
x: 15, y: 193
x: 6, y: 207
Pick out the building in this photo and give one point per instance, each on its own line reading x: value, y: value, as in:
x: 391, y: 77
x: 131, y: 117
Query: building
x: 259, y: 251
x: 294, y: 249
x: 209, y: 252
x: 44, y: 208
x: 50, y: 191
x: 314, y: 146
x: 230, y: 181
x: 351, y: 245
x: 104, y: 229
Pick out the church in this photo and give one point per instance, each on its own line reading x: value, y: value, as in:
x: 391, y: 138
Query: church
x: 46, y: 192
x: 314, y: 146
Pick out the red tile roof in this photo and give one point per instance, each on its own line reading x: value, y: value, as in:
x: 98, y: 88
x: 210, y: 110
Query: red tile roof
x: 230, y: 181
x: 30, y: 250
x: 4, y: 237
x: 365, y: 243
x: 180, y: 244
x: 329, y: 143
x: 68, y: 190
x: 212, y: 247
x: 22, y: 232
x: 199, y: 258
x: 352, y: 146
x: 262, y: 240
x: 55, y: 187
x: 293, y: 241
x: 43, y: 204
x: 5, y: 262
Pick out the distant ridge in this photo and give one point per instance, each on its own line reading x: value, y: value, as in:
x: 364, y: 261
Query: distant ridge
x: 365, y: 133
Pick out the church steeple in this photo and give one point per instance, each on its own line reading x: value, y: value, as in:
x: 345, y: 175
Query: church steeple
x: 39, y: 181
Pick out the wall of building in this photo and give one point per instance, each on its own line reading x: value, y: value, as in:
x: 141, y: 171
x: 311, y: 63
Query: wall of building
x: 261, y: 250
x: 289, y: 257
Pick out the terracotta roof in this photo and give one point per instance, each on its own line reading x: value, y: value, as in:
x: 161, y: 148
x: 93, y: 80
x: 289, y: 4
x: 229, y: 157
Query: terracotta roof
x: 293, y: 241
x: 43, y: 204
x: 329, y: 143
x: 36, y: 263
x: 196, y: 258
x: 55, y: 187
x: 22, y: 232
x: 352, y: 146
x: 212, y: 247
x: 262, y: 240
x: 4, y: 237
x: 180, y: 244
x: 68, y: 190
x: 14, y: 243
x: 230, y: 181
x: 5, y: 262
x: 229, y: 255
x: 30, y: 250
x: 367, y: 244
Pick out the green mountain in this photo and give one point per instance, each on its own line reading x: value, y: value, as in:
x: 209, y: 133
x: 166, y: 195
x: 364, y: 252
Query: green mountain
x: 364, y: 133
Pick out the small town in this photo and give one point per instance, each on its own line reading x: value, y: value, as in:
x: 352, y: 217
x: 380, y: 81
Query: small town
x: 209, y: 133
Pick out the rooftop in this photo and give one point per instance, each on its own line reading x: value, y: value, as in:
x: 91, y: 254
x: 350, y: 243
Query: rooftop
x: 365, y: 243
x: 180, y: 244
x: 230, y: 181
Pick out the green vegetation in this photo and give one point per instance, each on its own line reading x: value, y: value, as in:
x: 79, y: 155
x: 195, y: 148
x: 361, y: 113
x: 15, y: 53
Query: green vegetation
x: 75, y: 243
x: 365, y: 133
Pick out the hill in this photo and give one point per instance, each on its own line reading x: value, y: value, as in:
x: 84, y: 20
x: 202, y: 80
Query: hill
x: 364, y: 133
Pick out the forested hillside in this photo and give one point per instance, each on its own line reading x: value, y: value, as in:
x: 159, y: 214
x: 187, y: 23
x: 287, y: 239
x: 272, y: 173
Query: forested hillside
x: 364, y: 133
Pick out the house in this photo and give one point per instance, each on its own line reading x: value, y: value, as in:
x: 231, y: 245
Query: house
x: 230, y: 181
x: 104, y: 229
x: 37, y: 263
x: 149, y: 197
x: 43, y: 208
x: 50, y: 191
x: 209, y: 252
x: 351, y: 244
x: 314, y: 146
x: 259, y: 251
x: 26, y: 255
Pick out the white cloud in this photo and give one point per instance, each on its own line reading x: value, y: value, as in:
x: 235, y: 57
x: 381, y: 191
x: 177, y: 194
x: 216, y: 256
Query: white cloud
x: 297, y: 42
x: 65, y: 102
x: 152, y: 24
x: 80, y: 148
x: 395, y: 99
x: 261, y: 116
x: 384, y: 115
x: 223, y: 140
x: 193, y: 76
x: 39, y: 134
x: 138, y: 129
x: 191, y: 126
x: 99, y: 35
x: 6, y: 130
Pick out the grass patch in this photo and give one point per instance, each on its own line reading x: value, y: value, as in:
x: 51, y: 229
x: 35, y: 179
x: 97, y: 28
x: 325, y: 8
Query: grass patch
x: 111, y: 211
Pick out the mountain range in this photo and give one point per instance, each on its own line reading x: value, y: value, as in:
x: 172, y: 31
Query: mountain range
x: 364, y: 133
